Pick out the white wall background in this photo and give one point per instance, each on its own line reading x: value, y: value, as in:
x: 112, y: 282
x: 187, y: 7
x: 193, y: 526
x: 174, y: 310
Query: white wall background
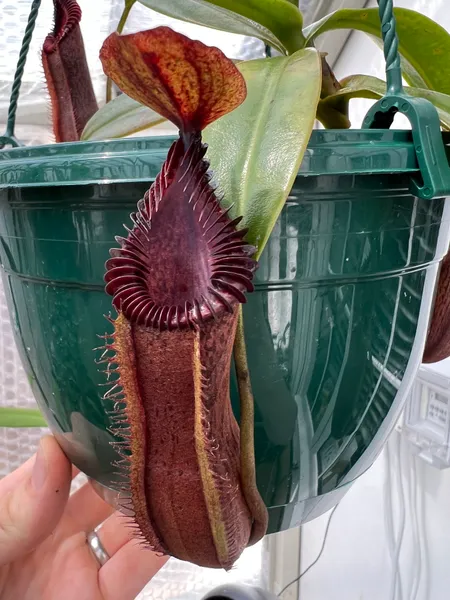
x: 389, y: 539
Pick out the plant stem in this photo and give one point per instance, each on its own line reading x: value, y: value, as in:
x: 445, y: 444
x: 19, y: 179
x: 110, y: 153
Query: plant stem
x: 331, y: 118
x: 126, y: 11
x: 247, y: 436
x: 330, y: 85
x: 123, y: 19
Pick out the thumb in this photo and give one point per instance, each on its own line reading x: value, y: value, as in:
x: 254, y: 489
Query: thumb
x: 32, y: 500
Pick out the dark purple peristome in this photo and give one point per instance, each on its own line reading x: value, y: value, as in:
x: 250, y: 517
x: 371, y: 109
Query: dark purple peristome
x: 184, y: 262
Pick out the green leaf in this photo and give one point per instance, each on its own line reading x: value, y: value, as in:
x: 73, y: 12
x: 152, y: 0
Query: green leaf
x: 120, y: 117
x: 256, y: 150
x: 423, y: 44
x: 21, y: 417
x: 365, y: 86
x: 276, y: 22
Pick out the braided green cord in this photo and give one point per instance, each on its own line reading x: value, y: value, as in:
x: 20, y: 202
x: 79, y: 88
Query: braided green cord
x: 390, y: 39
x: 11, y: 122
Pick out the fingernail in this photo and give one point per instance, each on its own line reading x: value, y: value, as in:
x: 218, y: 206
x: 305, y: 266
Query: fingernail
x: 39, y: 474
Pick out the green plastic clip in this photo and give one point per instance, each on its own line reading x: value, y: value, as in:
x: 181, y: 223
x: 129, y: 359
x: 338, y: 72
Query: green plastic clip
x: 434, y: 180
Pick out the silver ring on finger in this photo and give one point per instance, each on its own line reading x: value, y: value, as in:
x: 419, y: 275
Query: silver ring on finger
x: 97, y: 548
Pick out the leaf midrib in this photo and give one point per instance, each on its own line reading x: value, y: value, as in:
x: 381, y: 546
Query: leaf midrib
x: 265, y: 109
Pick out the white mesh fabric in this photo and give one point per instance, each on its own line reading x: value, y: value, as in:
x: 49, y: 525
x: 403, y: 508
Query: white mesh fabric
x: 16, y: 445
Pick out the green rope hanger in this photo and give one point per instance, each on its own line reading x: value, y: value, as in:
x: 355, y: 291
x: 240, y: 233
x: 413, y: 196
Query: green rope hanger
x: 434, y: 178
x: 8, y: 137
x: 390, y: 47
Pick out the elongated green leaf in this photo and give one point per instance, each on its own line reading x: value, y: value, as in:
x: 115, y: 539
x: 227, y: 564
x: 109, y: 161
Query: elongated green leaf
x: 256, y: 150
x: 21, y: 417
x: 423, y: 44
x: 120, y: 117
x: 365, y: 86
x: 276, y: 22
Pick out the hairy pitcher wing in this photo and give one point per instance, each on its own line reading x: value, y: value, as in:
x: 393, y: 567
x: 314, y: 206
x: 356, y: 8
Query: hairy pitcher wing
x: 177, y: 281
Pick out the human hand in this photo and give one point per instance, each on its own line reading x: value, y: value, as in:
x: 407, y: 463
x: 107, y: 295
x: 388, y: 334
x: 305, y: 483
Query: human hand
x: 43, y: 550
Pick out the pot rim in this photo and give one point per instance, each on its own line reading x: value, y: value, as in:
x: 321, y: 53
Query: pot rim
x: 329, y: 152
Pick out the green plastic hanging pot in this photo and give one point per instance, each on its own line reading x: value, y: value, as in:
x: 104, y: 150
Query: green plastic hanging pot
x: 335, y: 330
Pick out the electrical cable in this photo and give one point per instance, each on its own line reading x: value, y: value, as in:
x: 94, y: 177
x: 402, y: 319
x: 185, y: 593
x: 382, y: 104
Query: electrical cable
x: 394, y: 541
x: 416, y: 567
x: 316, y: 560
x: 423, y: 535
x: 397, y: 580
x: 388, y: 512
